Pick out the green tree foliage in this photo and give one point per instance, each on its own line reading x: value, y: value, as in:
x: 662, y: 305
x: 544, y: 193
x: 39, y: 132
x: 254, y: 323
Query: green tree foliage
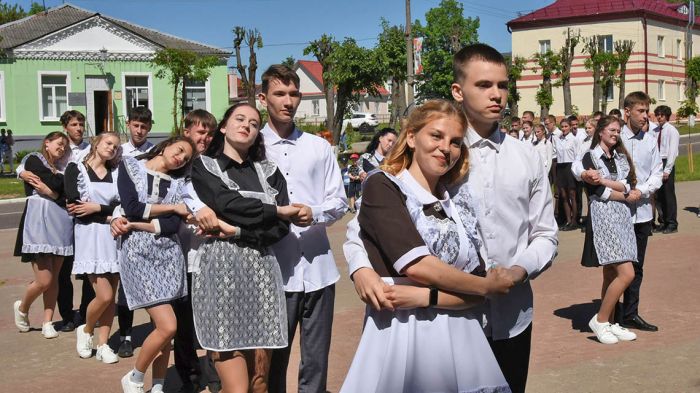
x: 609, y: 64
x: 391, y: 52
x: 516, y: 66
x: 623, y: 51
x: 289, y: 61
x: 592, y: 46
x: 322, y: 49
x: 548, y: 65
x: 178, y: 66
x: 9, y: 13
x: 445, y: 32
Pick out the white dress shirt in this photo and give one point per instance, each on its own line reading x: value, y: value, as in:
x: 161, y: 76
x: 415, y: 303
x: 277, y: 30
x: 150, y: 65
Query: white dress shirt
x: 670, y: 139
x: 648, y: 169
x: 129, y: 150
x: 546, y: 151
x: 313, y: 178
x: 528, y: 139
x: 516, y: 218
x: 566, y: 147
x: 584, y: 147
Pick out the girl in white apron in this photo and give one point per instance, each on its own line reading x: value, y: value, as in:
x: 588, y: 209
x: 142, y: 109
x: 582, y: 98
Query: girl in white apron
x: 45, y: 232
x: 151, y: 264
x: 92, y: 194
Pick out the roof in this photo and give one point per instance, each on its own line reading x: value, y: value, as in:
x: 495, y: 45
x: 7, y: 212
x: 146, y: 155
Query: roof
x: 315, y: 72
x: 35, y: 26
x: 563, y: 12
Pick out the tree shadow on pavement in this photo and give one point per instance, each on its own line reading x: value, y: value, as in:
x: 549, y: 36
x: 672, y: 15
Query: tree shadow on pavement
x: 579, y: 314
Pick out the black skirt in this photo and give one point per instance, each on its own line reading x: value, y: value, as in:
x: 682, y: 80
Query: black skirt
x: 565, y: 179
x: 589, y: 257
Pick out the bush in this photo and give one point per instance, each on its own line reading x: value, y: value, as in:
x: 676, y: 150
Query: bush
x: 21, y: 154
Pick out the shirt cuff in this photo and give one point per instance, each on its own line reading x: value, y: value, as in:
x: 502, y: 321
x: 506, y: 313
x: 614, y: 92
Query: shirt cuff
x: 269, y: 212
x: 357, y: 262
x: 409, y: 257
x: 147, y: 211
x: 644, y: 189
x: 606, y: 194
x: 193, y: 204
x: 156, y: 225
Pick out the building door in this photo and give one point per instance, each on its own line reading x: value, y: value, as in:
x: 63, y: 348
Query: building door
x: 99, y: 105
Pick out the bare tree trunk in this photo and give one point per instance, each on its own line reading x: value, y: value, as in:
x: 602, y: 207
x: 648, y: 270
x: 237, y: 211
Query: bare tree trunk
x: 252, y: 65
x: 330, y: 105
x: 566, y: 85
x: 596, y: 90
x: 514, y: 107
x: 338, y: 119
x: 621, y: 95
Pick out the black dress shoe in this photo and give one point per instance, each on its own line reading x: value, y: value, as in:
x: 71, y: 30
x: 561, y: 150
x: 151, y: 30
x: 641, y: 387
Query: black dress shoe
x: 638, y: 323
x: 67, y: 326
x: 125, y: 349
x: 670, y: 229
x: 214, y: 387
x: 658, y: 228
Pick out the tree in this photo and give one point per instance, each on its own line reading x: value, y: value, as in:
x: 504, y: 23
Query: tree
x: 289, y: 61
x: 697, y: 4
x: 9, y: 13
x: 516, y: 66
x: 178, y: 66
x: 445, y: 32
x: 252, y: 39
x: 623, y: 51
x: 391, y: 51
x: 592, y: 46
x: 356, y: 72
x: 609, y: 65
x: 566, y: 54
x: 549, y: 65
x: 322, y: 49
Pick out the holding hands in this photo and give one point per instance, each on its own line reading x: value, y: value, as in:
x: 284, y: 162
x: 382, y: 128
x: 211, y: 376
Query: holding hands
x: 297, y: 213
x: 81, y: 208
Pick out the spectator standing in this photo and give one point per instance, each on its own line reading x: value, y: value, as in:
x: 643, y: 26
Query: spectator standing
x: 667, y: 139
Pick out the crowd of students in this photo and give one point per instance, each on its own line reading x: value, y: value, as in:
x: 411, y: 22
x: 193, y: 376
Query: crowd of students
x: 220, y: 235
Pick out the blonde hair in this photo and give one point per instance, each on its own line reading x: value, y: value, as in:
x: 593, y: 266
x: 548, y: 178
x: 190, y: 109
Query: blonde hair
x: 111, y: 164
x: 401, y: 155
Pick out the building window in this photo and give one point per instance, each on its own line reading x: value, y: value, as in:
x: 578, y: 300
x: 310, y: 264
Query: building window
x: 610, y: 93
x: 660, y: 48
x: 53, y: 93
x: 661, y: 94
x: 606, y: 43
x: 2, y: 96
x: 317, y: 111
x: 681, y: 91
x: 545, y: 46
x: 679, y: 49
x: 137, y: 90
x: 195, y: 95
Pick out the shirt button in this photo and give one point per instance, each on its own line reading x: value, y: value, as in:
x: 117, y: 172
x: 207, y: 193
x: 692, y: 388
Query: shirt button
x: 287, y: 173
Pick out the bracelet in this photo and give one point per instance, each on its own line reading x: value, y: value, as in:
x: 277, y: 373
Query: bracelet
x: 433, y: 299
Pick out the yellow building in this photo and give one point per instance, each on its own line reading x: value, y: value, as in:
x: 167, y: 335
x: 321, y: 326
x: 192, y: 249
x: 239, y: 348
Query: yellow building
x: 656, y: 65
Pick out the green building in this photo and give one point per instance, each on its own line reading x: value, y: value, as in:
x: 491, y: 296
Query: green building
x: 72, y: 58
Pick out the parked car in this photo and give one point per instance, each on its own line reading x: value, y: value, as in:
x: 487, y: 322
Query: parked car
x: 363, y: 121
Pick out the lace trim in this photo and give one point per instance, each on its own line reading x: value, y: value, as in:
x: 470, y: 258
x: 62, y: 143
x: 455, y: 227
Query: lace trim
x: 83, y: 187
x: 137, y: 174
x: 621, y: 163
x: 47, y: 249
x: 212, y: 167
x: 264, y: 169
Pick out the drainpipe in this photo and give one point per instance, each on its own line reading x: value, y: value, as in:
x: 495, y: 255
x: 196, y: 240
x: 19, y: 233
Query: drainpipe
x: 646, y: 54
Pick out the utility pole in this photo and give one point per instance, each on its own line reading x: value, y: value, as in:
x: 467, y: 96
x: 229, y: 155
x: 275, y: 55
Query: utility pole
x: 409, y: 56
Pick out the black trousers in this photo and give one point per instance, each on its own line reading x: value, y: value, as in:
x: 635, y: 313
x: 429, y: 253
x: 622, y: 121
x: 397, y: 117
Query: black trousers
x: 513, y: 356
x: 124, y: 315
x: 630, y: 304
x: 579, y: 201
x: 186, y: 344
x: 313, y: 312
x: 65, y: 290
x: 666, y: 200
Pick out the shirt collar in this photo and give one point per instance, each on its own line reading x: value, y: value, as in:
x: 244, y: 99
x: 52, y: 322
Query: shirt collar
x: 628, y: 134
x: 272, y: 138
x: 494, y: 140
x: 423, y: 195
x: 598, y: 152
x: 82, y: 146
x: 228, y: 163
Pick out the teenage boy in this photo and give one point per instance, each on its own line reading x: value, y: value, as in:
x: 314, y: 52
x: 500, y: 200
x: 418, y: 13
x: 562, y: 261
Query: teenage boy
x: 528, y: 116
x: 518, y: 226
x: 73, y: 123
x: 306, y: 261
x: 667, y: 140
x: 515, y: 125
x: 139, y: 124
x: 642, y: 146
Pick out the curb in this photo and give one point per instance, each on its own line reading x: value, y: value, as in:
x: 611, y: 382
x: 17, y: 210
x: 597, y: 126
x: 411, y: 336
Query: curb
x: 12, y: 200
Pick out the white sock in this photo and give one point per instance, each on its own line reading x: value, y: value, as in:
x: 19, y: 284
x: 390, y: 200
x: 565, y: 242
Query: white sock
x: 123, y: 338
x: 136, y: 376
x: 157, y: 385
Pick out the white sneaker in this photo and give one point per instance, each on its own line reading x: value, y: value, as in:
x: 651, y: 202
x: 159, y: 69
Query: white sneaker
x: 83, y: 342
x: 131, y: 387
x: 21, y: 319
x: 48, y: 331
x: 622, y: 334
x: 106, y: 355
x: 157, y: 389
x: 602, y: 331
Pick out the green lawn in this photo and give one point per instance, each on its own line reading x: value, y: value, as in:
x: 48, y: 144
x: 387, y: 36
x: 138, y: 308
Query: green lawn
x: 682, y: 172
x: 683, y: 129
x: 10, y: 187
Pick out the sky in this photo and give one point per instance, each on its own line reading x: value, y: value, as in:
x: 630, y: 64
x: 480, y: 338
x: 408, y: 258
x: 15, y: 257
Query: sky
x: 288, y: 26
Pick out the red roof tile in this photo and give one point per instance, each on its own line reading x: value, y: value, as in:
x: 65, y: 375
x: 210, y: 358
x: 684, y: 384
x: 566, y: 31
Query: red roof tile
x: 562, y: 12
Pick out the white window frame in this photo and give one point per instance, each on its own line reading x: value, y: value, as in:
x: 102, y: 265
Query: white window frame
x: 680, y: 49
x: 661, y: 90
x: 150, y: 90
x: 3, y: 114
x: 681, y: 91
x: 42, y: 117
x: 545, y: 45
x: 610, y: 98
x: 316, y: 107
x: 660, y: 46
x: 604, y: 43
x: 207, y: 95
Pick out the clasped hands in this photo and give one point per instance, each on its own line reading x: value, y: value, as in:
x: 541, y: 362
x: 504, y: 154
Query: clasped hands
x: 592, y: 176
